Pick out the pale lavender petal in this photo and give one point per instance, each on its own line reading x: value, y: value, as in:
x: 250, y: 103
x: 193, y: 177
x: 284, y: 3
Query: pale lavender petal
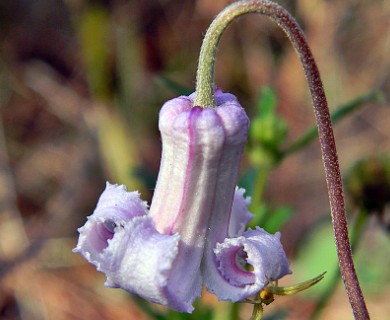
x: 235, y: 123
x: 168, y: 114
x: 183, y: 199
x: 225, y: 220
x: 224, y: 97
x: 120, y: 239
x: 240, y: 215
x: 126, y: 204
x: 201, y: 147
x: 140, y: 260
x: 192, y: 142
x: 229, y: 274
x: 116, y: 206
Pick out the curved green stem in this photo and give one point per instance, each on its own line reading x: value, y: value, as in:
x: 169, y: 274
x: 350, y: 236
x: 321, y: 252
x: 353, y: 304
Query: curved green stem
x: 205, y: 98
x: 260, y: 183
x: 257, y: 313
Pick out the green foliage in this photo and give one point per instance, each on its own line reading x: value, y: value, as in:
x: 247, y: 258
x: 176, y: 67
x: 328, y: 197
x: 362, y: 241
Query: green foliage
x: 200, y: 312
x: 272, y: 218
x: 267, y: 101
x: 94, y: 38
x: 317, y: 253
x: 121, y: 157
x: 175, y: 87
x: 367, y: 184
x: 268, y: 131
x: 340, y: 113
x: 372, y: 263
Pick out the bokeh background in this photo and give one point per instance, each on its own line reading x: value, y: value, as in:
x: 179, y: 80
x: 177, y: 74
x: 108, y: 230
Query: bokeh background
x: 81, y: 84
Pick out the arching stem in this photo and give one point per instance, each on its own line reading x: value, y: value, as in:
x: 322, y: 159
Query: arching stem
x: 205, y: 98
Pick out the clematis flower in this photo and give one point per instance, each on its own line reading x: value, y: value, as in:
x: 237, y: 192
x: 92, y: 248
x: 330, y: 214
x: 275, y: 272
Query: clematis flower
x: 194, y: 231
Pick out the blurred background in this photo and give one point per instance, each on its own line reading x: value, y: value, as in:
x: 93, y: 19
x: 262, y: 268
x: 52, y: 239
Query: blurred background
x: 81, y: 85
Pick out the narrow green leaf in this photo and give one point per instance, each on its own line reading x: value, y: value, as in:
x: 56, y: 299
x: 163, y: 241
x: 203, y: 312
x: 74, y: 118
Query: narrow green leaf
x: 267, y: 101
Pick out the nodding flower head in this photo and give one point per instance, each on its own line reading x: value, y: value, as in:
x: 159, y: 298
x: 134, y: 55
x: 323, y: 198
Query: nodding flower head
x: 194, y: 232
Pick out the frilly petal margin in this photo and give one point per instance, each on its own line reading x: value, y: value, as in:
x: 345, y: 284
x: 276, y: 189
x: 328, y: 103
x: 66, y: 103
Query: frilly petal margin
x: 121, y: 240
x: 240, y: 216
x: 139, y: 259
x: 232, y: 278
x: 116, y: 206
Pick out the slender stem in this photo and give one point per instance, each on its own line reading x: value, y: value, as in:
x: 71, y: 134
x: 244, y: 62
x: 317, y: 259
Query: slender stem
x: 257, y: 313
x: 260, y: 183
x: 205, y: 98
x: 356, y: 236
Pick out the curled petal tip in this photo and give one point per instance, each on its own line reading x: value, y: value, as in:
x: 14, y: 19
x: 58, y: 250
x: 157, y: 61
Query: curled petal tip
x: 118, y: 198
x: 268, y: 252
x: 121, y: 240
x: 240, y: 215
x: 246, y: 264
x: 116, y: 206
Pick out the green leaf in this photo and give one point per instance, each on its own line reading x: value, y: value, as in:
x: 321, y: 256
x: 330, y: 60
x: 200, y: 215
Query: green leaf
x: 200, y: 312
x: 174, y: 86
x: 267, y: 101
x: 93, y: 29
x: 278, y: 218
x: 317, y: 254
x: 248, y: 180
x: 373, y: 261
x: 118, y: 149
x: 271, y: 218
